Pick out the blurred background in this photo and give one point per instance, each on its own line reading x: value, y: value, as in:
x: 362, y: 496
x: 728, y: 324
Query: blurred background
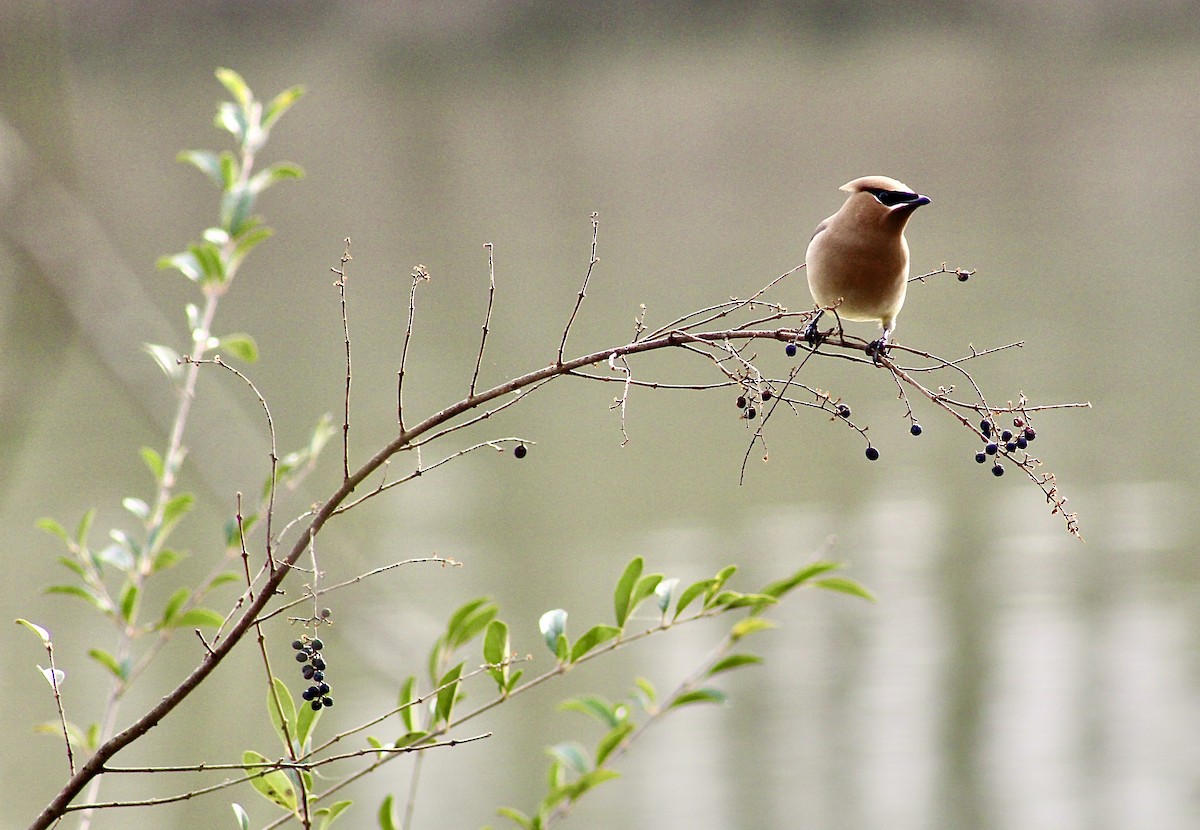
x: 1009, y: 677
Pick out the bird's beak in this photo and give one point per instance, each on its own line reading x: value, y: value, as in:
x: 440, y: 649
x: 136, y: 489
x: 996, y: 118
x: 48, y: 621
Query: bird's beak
x: 920, y: 200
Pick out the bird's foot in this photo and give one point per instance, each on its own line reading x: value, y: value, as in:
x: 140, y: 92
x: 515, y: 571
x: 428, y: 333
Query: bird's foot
x: 811, y: 335
x: 877, y: 349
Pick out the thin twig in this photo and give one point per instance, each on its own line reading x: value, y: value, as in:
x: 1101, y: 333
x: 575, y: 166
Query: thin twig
x: 419, y: 274
x: 487, y: 320
x: 341, y: 286
x: 582, y: 289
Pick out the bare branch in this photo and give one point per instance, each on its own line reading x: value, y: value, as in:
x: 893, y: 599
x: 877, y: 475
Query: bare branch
x: 583, y: 288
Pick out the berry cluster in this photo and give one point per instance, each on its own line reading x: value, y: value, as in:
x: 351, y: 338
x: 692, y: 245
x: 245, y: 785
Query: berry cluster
x: 308, y: 652
x: 1005, y: 440
x: 747, y: 405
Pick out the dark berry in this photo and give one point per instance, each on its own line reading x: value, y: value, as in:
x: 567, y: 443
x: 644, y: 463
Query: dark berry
x: 766, y: 394
x: 1022, y: 443
x: 316, y: 705
x: 1011, y: 446
x: 963, y: 276
x: 308, y: 672
x: 1030, y: 434
x: 751, y: 413
x: 318, y: 664
x: 843, y: 411
x: 991, y: 449
x: 915, y: 429
x: 519, y: 451
x: 1006, y: 435
x: 297, y: 644
x: 302, y: 656
x: 324, y: 687
x: 997, y: 471
x: 872, y: 454
x: 307, y: 694
x: 326, y: 702
x: 790, y: 349
x: 741, y: 402
x: 1017, y: 422
x: 980, y: 457
x: 315, y: 676
x: 985, y: 427
x: 326, y: 613
x: 313, y: 692
x: 316, y: 645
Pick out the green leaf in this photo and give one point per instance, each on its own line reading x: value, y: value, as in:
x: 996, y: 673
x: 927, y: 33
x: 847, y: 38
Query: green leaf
x: 91, y: 598
x: 130, y: 594
x: 645, y: 587
x: 780, y: 587
x: 306, y: 722
x: 623, y: 593
x: 109, y: 662
x: 327, y: 815
x: 647, y: 692
x: 278, y: 172
x: 664, y: 591
x: 595, y: 636
x: 236, y: 85
x: 236, y: 206
x: 748, y: 626
x: 71, y: 565
x: 173, y: 605
x: 447, y: 694
x: 553, y: 625
x: 699, y: 696
x: 230, y: 170
x: 42, y: 633
x: 164, y: 559
x: 54, y: 677
x: 469, y: 621
x: 204, y: 161
x: 513, y: 815
x: 52, y: 527
x: 83, y: 528
x: 166, y: 358
x: 690, y: 593
x: 137, y: 507
x: 208, y: 258
x: 240, y: 814
x: 154, y: 462
x: 758, y: 601
x: 593, y: 706
x: 845, y: 586
x: 247, y: 241
x: 734, y: 661
x: 275, y: 786
x: 185, y: 263
x: 177, y: 507
x: 199, y: 618
x: 572, y: 755
x: 286, y: 716
x: 611, y: 741
x: 280, y: 104
x: 574, y: 790
x: 497, y: 651
x: 407, y: 703
x: 241, y: 346
x: 224, y: 577
x: 411, y: 738
x: 388, y: 820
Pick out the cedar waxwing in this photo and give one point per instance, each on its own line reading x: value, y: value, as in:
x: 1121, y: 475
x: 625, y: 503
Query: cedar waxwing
x: 857, y: 260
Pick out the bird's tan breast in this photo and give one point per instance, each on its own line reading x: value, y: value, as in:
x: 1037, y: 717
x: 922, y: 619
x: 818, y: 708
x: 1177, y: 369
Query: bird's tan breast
x: 866, y: 268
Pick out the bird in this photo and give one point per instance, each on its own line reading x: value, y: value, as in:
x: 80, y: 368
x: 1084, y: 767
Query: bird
x: 857, y: 260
